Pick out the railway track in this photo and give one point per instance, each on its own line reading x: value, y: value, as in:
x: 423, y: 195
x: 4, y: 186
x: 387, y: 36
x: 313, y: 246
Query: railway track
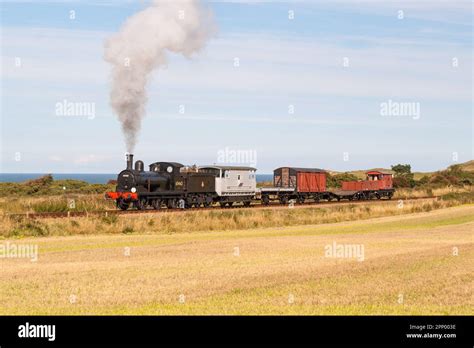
x: 105, y: 213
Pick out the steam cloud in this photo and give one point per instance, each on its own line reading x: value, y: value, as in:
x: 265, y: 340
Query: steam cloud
x: 140, y: 47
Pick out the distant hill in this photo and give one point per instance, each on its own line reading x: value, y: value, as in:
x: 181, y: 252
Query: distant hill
x: 361, y: 173
x: 466, y: 166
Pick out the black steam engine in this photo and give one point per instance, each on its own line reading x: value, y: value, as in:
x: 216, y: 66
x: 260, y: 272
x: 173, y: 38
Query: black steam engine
x: 165, y: 183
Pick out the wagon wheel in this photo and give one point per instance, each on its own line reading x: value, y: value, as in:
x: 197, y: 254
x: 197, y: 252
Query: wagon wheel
x: 265, y: 200
x: 300, y: 200
x: 207, y: 202
x: 283, y: 200
x: 222, y: 204
x: 121, y: 204
x: 247, y: 204
x: 200, y: 201
x: 230, y: 204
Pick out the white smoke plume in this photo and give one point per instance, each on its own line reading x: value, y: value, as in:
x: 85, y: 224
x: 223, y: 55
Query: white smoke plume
x: 141, y: 46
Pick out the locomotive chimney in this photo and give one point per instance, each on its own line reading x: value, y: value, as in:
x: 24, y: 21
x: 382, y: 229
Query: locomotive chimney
x: 129, y: 157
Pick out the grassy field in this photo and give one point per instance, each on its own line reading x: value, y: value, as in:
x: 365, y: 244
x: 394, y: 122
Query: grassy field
x: 420, y: 263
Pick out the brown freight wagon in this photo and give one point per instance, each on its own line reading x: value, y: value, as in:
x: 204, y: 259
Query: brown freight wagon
x: 302, y: 179
x: 297, y: 185
x: 377, y: 185
x: 375, y: 181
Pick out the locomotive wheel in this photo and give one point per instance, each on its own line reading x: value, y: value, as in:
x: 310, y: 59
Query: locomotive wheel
x: 156, y: 203
x: 121, y: 204
x: 140, y: 204
x: 171, y: 204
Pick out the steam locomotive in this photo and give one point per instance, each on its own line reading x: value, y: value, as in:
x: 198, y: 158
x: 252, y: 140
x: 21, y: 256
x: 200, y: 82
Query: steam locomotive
x: 173, y: 185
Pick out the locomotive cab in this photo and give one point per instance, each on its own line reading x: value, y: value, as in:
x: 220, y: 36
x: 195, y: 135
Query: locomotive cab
x: 170, y: 170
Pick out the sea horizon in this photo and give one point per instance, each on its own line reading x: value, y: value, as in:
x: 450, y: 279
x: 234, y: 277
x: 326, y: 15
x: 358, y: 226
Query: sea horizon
x: 91, y: 178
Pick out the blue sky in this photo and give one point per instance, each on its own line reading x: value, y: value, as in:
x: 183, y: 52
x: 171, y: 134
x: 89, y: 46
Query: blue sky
x: 283, y: 62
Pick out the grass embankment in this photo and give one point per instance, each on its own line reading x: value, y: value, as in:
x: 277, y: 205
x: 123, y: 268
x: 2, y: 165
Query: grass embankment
x: 47, y: 195
x: 212, y: 220
x: 60, y: 203
x: 406, y: 193
x: 420, y: 263
x: 18, y: 204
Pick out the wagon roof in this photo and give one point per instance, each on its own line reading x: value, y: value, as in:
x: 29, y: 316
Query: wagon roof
x: 376, y: 172
x: 307, y: 170
x: 227, y: 167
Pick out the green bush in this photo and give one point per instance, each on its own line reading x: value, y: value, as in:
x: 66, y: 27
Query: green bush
x: 463, y: 197
x: 110, y: 219
x: 32, y: 228
x: 337, y: 179
x: 127, y: 230
x: 46, y: 185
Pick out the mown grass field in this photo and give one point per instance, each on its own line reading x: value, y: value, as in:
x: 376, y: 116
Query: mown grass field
x: 417, y: 263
